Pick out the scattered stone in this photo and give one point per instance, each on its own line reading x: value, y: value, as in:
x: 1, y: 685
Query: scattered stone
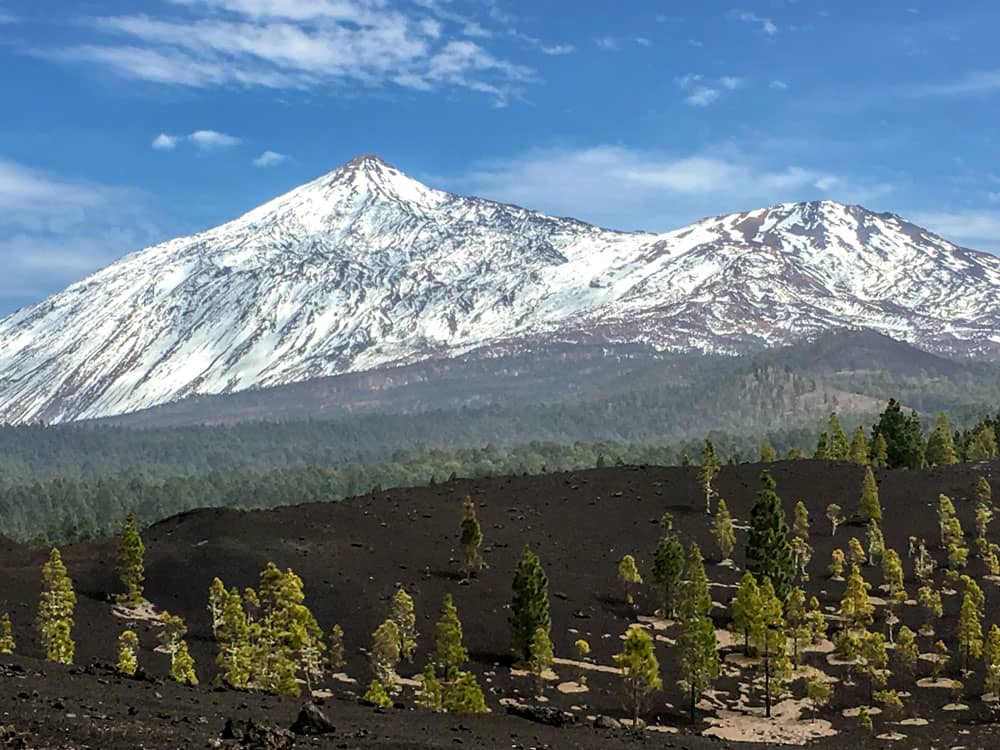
x: 607, y: 722
x: 312, y: 720
x: 548, y: 715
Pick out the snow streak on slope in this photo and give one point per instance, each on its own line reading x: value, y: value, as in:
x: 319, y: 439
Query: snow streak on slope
x: 366, y: 267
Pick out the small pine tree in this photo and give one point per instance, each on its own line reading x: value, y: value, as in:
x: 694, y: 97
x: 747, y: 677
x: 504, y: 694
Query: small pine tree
x: 822, y: 452
x: 879, y: 452
x: 983, y: 445
x: 707, y: 472
x: 640, y: 669
x: 835, y: 515
x: 668, y: 565
x: 836, y: 568
x: 816, y: 620
x: 907, y: 651
x: 128, y: 661
x: 855, y: 552
x: 723, y: 530
x: 769, y: 554
x: 377, y: 695
x: 800, y: 522
x: 541, y: 656
x: 818, y: 692
x: 854, y: 606
x: 697, y: 646
x: 970, y: 624
x: 838, y: 447
x: 401, y: 612
x: 430, y: 695
x: 767, y: 454
x: 131, y: 552
x: 876, y: 542
x: 463, y: 695
x: 748, y: 616
x: 217, y: 596
x: 471, y: 539
x: 182, y: 666
x: 55, y: 610
x: 940, y: 446
x: 869, y: 506
x: 629, y: 575
x: 929, y: 600
x: 858, y: 452
x: 874, y: 660
x: 991, y: 660
x: 448, y: 649
x: 795, y: 616
x: 529, y: 608
x: 385, y: 655
x: 865, y: 719
x: 234, y: 655
x: 335, y: 649
x: 7, y: 644
x: 802, y: 553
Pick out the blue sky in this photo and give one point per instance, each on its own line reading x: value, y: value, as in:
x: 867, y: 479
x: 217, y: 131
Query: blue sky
x: 126, y: 122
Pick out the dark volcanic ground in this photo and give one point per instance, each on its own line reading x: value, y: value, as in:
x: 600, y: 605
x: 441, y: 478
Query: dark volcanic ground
x: 353, y: 554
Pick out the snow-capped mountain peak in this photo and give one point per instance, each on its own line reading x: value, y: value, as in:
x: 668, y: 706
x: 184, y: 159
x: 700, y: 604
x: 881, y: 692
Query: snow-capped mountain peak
x: 365, y: 267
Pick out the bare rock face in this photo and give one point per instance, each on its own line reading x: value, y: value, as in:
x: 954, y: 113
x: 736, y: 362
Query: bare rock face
x: 366, y: 268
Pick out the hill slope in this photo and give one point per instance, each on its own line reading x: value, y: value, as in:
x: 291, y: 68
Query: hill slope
x: 367, y: 268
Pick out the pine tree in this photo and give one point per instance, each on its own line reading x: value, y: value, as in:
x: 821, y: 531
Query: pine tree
x: 55, y: 610
x: 983, y: 445
x: 233, y: 659
x: 858, y: 452
x: 182, y: 666
x: 835, y: 515
x: 769, y: 553
x: 668, y: 565
x: 970, y: 623
x: 855, y: 552
x: 448, y: 649
x: 795, y: 617
x: 929, y: 600
x: 774, y: 643
x: 128, y: 661
x: 748, y: 617
x: 907, y: 650
x: 402, y: 614
x: 816, y: 620
x: 876, y: 542
x: 836, y: 568
x: 628, y: 574
x: 854, y: 606
x: 838, y: 447
x: 869, y: 506
x: 335, y: 649
x: 463, y: 695
x: 130, y: 562
x: 902, y: 435
x: 879, y: 453
x: 7, y: 644
x: 722, y: 529
x: 377, y: 695
x: 767, y: 454
x: 800, y: 522
x: 991, y: 660
x: 430, y: 695
x: 801, y: 555
x: 217, y: 596
x: 874, y: 660
x: 541, y: 656
x: 892, y: 575
x: 471, y: 539
x: 640, y: 669
x: 697, y: 646
x: 385, y: 655
x: 707, y: 472
x: 529, y: 608
x: 819, y: 693
x: 940, y: 446
x: 822, y: 452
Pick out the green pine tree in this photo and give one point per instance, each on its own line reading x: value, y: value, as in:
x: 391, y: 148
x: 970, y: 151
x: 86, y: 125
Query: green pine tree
x: 668, y: 565
x: 767, y: 454
x: 430, y: 695
x: 940, y: 445
x: 7, y: 644
x: 748, y: 616
x: 879, y: 452
x: 541, y: 655
x: 335, y: 649
x: 697, y: 646
x: 869, y: 506
x: 384, y: 655
x: 128, y: 661
x: 640, y: 669
x: 403, y: 615
x: 471, y: 539
x: 217, y: 595
x: 55, y: 610
x: 463, y: 695
x: 903, y: 437
x: 233, y: 660
x: 983, y: 445
x: 377, y: 695
x: 723, y: 530
x: 858, y: 452
x: 448, y: 649
x: 991, y: 660
x: 838, y: 447
x: 707, y: 472
x: 182, y: 666
x: 529, y: 608
x: 628, y: 574
x: 769, y: 553
x: 131, y: 552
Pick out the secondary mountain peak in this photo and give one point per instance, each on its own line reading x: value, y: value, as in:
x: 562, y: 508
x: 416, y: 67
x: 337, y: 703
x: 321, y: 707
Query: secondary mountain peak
x: 366, y: 268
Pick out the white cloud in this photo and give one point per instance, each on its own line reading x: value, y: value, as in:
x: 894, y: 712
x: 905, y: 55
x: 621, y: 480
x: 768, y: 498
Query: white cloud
x: 207, y: 140
x: 559, y: 49
x: 164, y: 142
x: 766, y: 24
x: 702, y: 97
x: 270, y: 159
x: 642, y: 41
x: 703, y: 92
x: 300, y: 44
x: 633, y: 189
x: 977, y: 228
x: 979, y: 82
x: 607, y: 43
x: 54, y: 229
x: 780, y: 85
x: 731, y: 82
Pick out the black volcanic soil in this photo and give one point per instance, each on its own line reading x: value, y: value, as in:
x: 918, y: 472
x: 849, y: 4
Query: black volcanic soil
x: 353, y: 554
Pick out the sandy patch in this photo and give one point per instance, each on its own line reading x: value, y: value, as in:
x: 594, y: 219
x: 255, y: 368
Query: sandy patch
x: 936, y: 682
x: 809, y: 672
x: 891, y: 736
x: 664, y: 639
x: 785, y: 727
x: 917, y: 722
x: 571, y: 688
x: 655, y: 623
x: 955, y: 707
x: 548, y: 675
x: 322, y: 694
x: 824, y: 646
x: 725, y: 639
x: 343, y: 677
x: 877, y: 601
x: 145, y: 612
x: 586, y: 665
x: 853, y: 713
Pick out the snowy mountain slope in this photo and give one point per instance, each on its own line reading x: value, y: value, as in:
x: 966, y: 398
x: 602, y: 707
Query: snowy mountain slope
x: 366, y: 267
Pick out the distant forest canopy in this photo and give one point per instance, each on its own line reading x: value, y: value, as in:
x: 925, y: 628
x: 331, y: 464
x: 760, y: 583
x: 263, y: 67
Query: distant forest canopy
x: 70, y: 508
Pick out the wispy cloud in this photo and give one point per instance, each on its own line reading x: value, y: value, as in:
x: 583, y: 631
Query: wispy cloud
x: 301, y: 44
x: 607, y: 43
x: 976, y: 228
x: 780, y: 85
x: 635, y: 189
x: 766, y: 24
x: 204, y: 140
x: 55, y: 229
x: 270, y: 159
x: 977, y: 82
x: 559, y: 49
x: 702, y: 91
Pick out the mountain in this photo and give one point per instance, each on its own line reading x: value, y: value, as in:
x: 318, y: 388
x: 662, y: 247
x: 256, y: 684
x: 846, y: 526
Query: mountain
x: 366, y: 268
